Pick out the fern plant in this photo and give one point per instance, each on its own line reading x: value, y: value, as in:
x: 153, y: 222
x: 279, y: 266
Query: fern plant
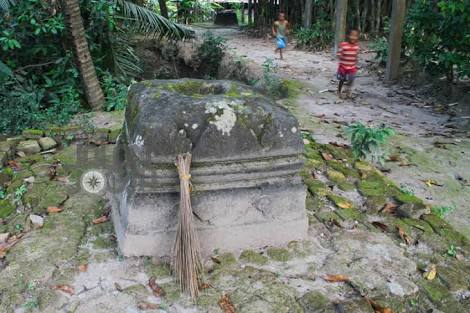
x: 368, y: 142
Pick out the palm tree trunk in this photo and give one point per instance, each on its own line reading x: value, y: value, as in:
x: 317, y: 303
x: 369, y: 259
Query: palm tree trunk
x: 93, y: 91
x: 163, y: 8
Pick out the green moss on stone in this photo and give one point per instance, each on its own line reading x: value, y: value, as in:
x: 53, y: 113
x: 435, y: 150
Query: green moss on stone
x: 314, y: 301
x: 278, y: 254
x: 340, y: 202
x: 32, y: 133
x: 335, y: 176
x: 343, y: 168
x: 6, y: 208
x: 251, y: 256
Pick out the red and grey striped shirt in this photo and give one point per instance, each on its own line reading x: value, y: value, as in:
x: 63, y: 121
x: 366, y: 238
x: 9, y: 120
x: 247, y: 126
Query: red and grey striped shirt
x: 347, y: 54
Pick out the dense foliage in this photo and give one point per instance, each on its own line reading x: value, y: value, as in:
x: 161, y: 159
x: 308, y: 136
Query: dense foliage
x: 438, y: 34
x: 40, y: 83
x: 210, y: 54
x: 319, y: 36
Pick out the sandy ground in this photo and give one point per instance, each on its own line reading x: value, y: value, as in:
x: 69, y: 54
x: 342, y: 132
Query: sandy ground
x: 431, y: 149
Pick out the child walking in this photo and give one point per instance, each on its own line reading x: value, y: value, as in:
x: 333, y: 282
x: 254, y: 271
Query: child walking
x: 347, y: 54
x: 280, y: 31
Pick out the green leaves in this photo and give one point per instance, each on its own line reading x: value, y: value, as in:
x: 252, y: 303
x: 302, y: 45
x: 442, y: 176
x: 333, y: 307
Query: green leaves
x: 367, y: 142
x: 147, y: 22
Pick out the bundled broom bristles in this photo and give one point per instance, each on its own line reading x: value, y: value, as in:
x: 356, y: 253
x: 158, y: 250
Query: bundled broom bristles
x: 186, y: 249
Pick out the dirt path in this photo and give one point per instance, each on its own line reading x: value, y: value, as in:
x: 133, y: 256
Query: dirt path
x: 430, y: 149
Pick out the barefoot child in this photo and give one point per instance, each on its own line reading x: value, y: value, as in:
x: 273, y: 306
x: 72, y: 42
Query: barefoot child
x: 347, y: 55
x: 280, y: 31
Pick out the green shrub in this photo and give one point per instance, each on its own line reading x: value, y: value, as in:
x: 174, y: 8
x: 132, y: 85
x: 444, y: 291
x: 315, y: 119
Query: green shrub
x: 270, y: 82
x: 210, y: 54
x: 319, y: 36
x: 367, y: 142
x: 115, y: 92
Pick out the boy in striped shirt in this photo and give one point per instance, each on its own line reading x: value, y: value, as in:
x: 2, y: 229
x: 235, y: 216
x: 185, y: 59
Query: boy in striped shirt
x: 347, y: 55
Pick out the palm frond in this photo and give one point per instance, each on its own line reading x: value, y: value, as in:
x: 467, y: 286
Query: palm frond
x: 150, y: 23
x: 125, y: 61
x: 6, y: 4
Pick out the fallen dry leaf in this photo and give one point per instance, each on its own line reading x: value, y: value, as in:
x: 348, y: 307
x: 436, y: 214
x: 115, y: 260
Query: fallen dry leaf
x: 431, y: 182
x: 380, y: 225
x: 83, y: 267
x: 157, y: 290
x: 65, y: 288
x: 6, y: 245
x: 204, y: 286
x: 54, y: 209
x: 431, y: 274
x: 337, y: 144
x: 394, y: 158
x: 118, y: 287
x: 404, y: 235
x: 389, y: 207
x: 100, y: 220
x: 326, y: 156
x: 14, y: 165
x: 345, y: 205
x: 144, y: 305
x: 336, y: 278
x: 377, y: 307
x: 215, y: 260
x: 226, y: 305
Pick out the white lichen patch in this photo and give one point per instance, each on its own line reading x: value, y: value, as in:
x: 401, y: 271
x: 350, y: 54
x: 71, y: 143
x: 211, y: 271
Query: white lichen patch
x: 195, y: 126
x: 281, y: 134
x: 293, y: 130
x: 139, y: 141
x: 224, y: 115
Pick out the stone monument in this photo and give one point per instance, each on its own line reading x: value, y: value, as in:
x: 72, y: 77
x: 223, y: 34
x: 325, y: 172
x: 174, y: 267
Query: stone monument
x: 247, y: 154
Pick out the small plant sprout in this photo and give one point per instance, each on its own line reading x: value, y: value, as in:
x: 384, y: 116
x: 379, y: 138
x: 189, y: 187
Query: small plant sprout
x: 19, y: 193
x: 452, y: 252
x: 443, y: 211
x: 367, y: 142
x: 407, y: 189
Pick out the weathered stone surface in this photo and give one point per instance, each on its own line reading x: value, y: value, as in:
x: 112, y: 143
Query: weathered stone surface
x: 246, y: 159
x: 47, y: 143
x: 29, y: 147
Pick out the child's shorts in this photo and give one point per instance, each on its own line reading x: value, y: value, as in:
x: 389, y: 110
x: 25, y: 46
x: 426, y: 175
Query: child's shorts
x: 346, y: 74
x: 281, y: 42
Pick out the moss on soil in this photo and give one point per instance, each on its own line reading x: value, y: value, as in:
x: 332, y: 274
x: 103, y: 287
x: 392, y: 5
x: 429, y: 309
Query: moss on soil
x: 278, y: 254
x: 251, y: 256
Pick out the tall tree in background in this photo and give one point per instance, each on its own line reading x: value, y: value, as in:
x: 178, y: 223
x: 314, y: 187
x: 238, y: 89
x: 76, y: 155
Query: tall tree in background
x: 163, y: 8
x: 91, y: 84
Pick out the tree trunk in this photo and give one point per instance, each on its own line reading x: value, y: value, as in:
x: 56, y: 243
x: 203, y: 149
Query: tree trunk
x: 93, y: 92
x: 378, y: 16
x: 358, y: 16
x: 163, y: 8
x: 307, y: 20
x: 250, y: 11
x: 341, y: 12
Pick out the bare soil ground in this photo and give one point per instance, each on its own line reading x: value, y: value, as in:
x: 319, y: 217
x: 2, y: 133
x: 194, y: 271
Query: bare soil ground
x: 428, y: 146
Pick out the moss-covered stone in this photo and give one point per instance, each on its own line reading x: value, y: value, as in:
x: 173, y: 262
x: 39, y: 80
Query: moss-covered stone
x: 343, y: 168
x: 32, y: 133
x: 278, y: 254
x: 114, y: 134
x: 251, y: 256
x: 350, y: 214
x: 314, y: 301
x: 440, y: 295
x: 6, y: 208
x: 339, y: 201
x: 336, y: 176
x: 28, y: 147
